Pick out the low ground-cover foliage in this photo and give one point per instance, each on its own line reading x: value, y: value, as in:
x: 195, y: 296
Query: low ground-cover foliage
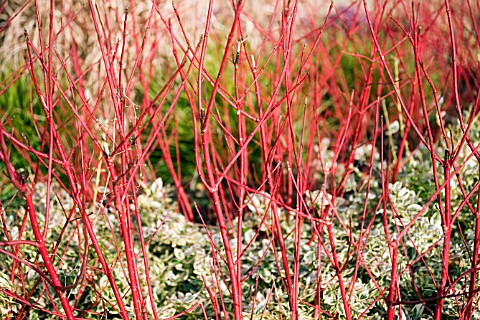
x: 182, y: 263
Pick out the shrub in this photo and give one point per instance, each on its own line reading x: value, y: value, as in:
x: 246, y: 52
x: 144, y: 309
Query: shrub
x: 320, y: 161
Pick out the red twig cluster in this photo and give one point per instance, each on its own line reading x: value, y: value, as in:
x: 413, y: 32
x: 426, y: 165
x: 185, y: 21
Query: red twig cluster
x: 263, y: 92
